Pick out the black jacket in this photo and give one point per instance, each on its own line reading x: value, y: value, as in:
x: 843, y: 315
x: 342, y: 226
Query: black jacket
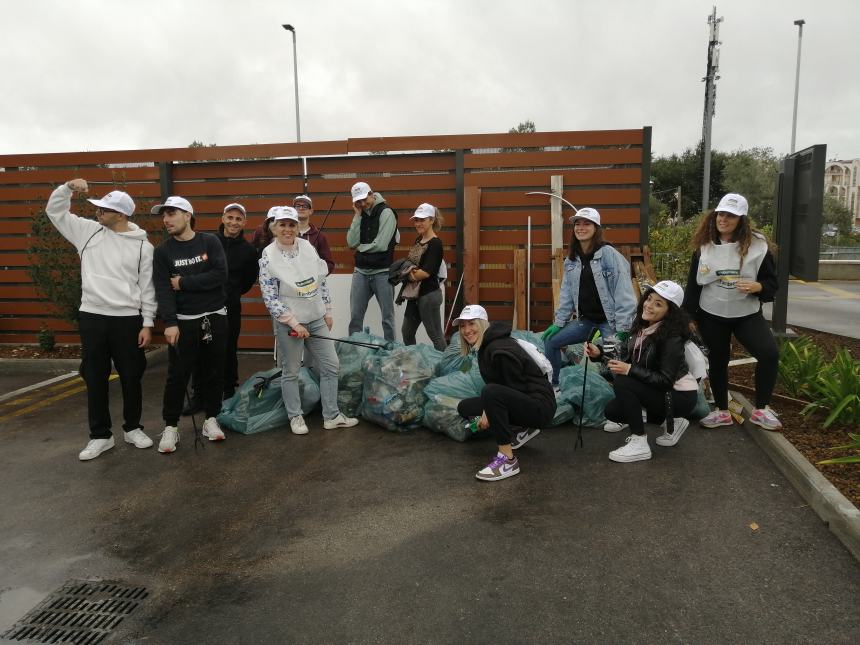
x: 658, y: 364
x: 502, y: 361
x: 242, y: 265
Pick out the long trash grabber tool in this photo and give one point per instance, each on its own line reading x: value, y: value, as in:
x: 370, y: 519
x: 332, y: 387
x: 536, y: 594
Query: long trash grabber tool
x: 594, y: 335
x: 342, y: 340
x: 453, y: 304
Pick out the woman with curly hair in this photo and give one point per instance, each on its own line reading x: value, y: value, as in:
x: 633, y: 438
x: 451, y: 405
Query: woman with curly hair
x: 732, y: 273
x: 651, y: 373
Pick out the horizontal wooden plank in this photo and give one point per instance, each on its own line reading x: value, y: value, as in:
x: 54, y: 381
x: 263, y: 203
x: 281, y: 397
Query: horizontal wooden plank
x: 14, y: 259
x: 376, y: 164
x: 26, y: 308
x: 93, y: 175
x: 213, y: 153
x: 397, y: 183
x: 236, y: 190
x: 497, y: 140
x: 594, y: 197
x: 14, y: 275
x: 538, y: 180
x: 33, y: 338
x: 238, y: 169
x: 541, y: 217
x: 560, y: 158
x: 20, y: 292
x: 41, y: 192
x: 22, y: 324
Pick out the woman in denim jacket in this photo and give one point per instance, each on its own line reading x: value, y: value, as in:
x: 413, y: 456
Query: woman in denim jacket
x: 596, y: 288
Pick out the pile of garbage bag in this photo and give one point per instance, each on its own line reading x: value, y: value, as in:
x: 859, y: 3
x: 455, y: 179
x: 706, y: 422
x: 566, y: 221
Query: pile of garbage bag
x: 351, y: 375
x: 445, y: 392
x: 258, y: 404
x: 394, y: 382
x: 598, y: 392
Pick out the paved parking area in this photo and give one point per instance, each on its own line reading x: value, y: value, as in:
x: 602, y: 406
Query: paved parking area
x: 366, y: 536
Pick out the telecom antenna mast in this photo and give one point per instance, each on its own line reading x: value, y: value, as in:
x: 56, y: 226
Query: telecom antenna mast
x: 710, y: 102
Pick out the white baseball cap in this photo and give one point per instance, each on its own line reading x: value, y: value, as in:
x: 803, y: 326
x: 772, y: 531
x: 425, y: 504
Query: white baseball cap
x: 359, y: 191
x: 235, y: 207
x: 283, y: 212
x: 588, y: 213
x: 472, y: 312
x: 734, y: 204
x: 669, y: 290
x: 424, y: 211
x: 173, y: 202
x: 116, y: 200
x: 303, y: 198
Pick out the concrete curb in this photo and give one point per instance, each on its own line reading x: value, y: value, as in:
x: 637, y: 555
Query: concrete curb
x: 838, y: 514
x: 10, y: 365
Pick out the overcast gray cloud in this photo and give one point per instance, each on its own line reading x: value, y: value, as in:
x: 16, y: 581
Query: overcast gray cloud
x: 119, y: 74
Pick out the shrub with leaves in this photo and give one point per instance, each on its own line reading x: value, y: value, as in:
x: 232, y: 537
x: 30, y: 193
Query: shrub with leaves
x: 837, y: 390
x: 47, y: 339
x: 55, y: 268
x: 800, y: 362
x: 670, y: 248
x: 851, y: 459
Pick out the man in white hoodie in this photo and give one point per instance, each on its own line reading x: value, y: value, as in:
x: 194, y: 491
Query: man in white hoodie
x: 117, y: 307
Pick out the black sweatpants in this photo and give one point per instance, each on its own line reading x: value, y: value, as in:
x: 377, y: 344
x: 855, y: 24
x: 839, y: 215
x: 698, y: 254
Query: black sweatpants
x: 189, y: 354
x: 105, y: 339
x: 506, y: 406
x: 631, y: 395
x: 754, y: 334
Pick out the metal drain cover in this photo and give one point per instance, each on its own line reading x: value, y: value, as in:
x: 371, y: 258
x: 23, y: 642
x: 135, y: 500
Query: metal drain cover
x: 79, y: 612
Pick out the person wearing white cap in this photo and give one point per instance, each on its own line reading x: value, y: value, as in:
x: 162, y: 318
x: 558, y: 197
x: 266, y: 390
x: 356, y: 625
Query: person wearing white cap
x: 117, y: 307
x: 427, y: 256
x: 304, y: 206
x: 732, y: 272
x: 516, y: 391
x: 596, y: 288
x: 651, y: 373
x: 293, y: 283
x: 373, y: 234
x: 190, y: 275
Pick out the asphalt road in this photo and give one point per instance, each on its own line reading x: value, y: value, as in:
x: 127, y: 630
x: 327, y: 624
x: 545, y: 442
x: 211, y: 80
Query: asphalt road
x: 829, y: 306
x: 365, y: 536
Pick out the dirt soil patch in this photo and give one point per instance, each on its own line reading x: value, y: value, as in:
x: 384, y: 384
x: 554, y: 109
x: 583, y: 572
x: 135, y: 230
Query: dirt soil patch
x: 805, y: 432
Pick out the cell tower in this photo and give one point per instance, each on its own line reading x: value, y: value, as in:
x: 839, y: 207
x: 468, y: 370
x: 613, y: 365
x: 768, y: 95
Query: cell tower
x: 710, y: 102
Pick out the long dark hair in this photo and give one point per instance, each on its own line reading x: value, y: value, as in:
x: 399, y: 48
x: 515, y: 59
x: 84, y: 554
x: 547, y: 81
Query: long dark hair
x: 707, y: 233
x: 676, y: 322
x: 597, y: 241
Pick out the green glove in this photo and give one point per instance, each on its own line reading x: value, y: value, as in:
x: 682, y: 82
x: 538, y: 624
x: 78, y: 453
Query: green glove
x: 551, y: 331
x: 622, y: 336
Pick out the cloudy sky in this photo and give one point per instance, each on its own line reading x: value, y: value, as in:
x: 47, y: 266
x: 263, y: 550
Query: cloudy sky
x: 121, y: 74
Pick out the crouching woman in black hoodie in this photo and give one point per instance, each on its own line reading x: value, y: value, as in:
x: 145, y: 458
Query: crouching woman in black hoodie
x: 516, y: 391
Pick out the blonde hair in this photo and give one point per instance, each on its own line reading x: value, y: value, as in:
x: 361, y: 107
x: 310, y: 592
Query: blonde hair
x: 437, y: 220
x: 482, y: 327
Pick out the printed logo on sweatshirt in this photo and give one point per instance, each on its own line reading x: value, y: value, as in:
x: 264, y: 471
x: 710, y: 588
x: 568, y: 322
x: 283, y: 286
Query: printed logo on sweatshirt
x: 197, y: 259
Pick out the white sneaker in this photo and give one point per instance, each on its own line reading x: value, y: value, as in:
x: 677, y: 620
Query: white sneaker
x: 339, y: 421
x: 95, y: 447
x: 670, y: 439
x: 612, y: 426
x: 635, y: 448
x: 298, y: 425
x: 212, y: 431
x: 169, y: 439
x: 523, y: 437
x: 138, y: 438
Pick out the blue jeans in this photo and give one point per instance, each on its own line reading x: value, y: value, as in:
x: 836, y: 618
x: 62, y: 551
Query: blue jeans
x: 290, y: 352
x: 575, y: 331
x: 363, y: 288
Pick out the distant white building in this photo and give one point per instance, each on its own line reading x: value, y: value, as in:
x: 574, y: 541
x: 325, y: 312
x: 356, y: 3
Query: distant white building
x: 840, y: 180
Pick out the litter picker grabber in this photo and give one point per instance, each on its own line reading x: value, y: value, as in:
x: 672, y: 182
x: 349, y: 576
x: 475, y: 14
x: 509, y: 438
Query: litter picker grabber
x: 343, y: 340
x: 592, y: 336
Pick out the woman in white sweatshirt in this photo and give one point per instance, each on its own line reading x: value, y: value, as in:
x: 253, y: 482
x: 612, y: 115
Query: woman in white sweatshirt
x: 117, y: 307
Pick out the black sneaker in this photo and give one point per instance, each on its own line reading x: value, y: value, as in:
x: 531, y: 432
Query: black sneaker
x: 523, y: 437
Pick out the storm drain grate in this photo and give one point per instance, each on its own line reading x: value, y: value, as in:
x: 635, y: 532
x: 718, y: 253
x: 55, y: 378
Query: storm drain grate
x: 79, y: 612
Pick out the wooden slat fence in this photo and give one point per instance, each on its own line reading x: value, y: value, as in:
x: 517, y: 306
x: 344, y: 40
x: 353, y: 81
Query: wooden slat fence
x: 608, y: 170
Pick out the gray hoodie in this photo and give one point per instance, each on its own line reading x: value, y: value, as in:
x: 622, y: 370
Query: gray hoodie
x: 116, y: 268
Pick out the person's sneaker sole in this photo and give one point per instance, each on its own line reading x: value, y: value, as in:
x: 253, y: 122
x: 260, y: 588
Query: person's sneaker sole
x: 615, y: 427
x: 495, y: 478
x: 88, y: 457
x: 624, y: 459
x: 766, y: 427
x: 672, y: 439
x: 528, y: 437
x: 730, y: 422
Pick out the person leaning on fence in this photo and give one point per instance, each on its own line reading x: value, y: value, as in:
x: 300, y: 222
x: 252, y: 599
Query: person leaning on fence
x: 373, y: 234
x: 190, y: 275
x: 651, y: 373
x: 305, y: 208
x: 292, y: 280
x: 117, y: 307
x: 596, y: 288
x: 427, y: 256
x: 516, y: 391
x: 732, y: 273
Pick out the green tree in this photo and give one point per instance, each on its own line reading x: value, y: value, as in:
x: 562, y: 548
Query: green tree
x: 837, y: 214
x: 754, y: 173
x: 526, y: 127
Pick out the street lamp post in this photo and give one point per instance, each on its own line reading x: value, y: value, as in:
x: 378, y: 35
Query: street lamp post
x: 799, y: 24
x: 292, y: 30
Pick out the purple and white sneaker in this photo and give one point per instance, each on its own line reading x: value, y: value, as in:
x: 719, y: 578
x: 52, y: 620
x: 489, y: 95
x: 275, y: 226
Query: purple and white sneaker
x: 500, y: 468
